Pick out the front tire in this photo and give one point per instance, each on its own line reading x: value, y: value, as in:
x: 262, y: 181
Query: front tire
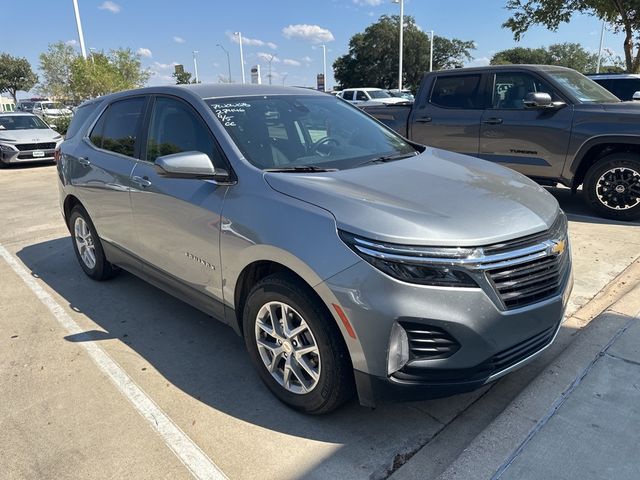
x: 612, y: 186
x: 295, y: 346
x: 87, y: 246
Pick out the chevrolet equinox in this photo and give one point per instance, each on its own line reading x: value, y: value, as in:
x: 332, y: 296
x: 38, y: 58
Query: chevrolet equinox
x: 348, y: 258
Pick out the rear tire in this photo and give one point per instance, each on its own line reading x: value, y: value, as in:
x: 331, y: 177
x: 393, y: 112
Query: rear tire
x: 612, y: 186
x: 87, y: 246
x: 317, y: 382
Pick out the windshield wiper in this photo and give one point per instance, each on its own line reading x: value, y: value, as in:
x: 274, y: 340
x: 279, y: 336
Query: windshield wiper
x: 389, y: 158
x: 301, y: 168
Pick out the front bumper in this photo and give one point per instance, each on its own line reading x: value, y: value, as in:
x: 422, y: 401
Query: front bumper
x: 32, y: 155
x: 493, y: 341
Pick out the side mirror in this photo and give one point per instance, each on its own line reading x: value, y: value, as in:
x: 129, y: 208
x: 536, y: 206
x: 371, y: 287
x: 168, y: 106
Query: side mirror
x: 53, y: 127
x: 636, y: 96
x: 537, y: 100
x: 189, y: 165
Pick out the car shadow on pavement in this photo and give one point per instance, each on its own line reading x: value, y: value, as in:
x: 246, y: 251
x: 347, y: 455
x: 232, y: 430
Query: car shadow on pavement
x: 207, y: 360
x: 577, y: 210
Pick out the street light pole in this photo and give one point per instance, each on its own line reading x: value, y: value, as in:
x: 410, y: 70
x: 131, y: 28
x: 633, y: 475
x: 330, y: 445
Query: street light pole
x: 431, y: 53
x: 284, y: 77
x: 270, y: 60
x: 239, y: 34
x: 91, y: 49
x: 228, y: 60
x: 401, y: 2
x: 600, y: 51
x: 324, y: 66
x: 79, y: 25
x: 195, y: 65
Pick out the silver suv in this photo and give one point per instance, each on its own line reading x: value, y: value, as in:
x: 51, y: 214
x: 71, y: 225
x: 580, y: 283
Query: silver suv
x: 346, y: 256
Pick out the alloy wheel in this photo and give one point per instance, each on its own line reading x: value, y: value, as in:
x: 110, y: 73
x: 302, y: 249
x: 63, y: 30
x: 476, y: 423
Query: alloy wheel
x: 619, y: 188
x: 287, y: 347
x: 84, y: 242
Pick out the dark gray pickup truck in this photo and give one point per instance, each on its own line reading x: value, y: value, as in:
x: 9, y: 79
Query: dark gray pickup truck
x: 549, y: 123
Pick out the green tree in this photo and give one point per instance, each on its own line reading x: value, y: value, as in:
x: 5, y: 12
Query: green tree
x: 15, y: 75
x: 373, y: 55
x: 622, y: 15
x: 521, y: 56
x: 571, y: 55
x: 102, y: 73
x: 55, y: 65
x: 182, y: 78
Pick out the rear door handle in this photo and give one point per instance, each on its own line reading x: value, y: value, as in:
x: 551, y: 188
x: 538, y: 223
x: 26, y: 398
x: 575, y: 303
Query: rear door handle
x: 493, y: 121
x: 84, y: 161
x: 141, y: 181
x: 424, y: 120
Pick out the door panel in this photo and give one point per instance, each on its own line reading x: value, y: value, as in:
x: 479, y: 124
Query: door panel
x: 531, y: 141
x: 178, y: 220
x: 450, y: 117
x: 102, y: 170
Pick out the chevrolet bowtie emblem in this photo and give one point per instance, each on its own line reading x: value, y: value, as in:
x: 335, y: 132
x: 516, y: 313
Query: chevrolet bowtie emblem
x: 558, y: 247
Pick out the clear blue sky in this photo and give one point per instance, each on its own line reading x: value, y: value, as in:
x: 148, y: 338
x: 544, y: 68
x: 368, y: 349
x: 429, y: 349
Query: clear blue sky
x: 169, y: 31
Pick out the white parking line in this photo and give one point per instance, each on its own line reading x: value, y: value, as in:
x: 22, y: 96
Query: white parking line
x: 198, y: 463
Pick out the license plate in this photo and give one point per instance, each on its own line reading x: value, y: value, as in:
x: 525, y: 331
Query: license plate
x: 38, y: 154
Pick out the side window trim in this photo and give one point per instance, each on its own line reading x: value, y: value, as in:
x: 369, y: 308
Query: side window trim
x: 147, y: 126
x: 86, y: 138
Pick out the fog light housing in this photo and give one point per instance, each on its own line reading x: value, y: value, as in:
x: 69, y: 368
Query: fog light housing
x: 398, y: 355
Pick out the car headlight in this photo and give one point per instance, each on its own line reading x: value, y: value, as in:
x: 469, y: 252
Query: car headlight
x: 6, y: 148
x: 420, y: 265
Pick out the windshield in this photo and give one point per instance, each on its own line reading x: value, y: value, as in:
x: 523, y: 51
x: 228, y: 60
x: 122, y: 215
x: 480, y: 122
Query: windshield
x: 21, y: 122
x: 378, y: 94
x: 53, y: 106
x: 583, y: 88
x: 275, y: 132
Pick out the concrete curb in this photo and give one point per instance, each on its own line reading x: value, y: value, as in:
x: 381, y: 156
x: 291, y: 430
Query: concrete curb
x: 492, y: 451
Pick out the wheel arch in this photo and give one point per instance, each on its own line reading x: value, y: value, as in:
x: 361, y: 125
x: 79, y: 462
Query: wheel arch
x: 69, y: 203
x: 597, y: 148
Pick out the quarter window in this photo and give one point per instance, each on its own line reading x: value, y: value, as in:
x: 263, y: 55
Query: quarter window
x: 175, y: 127
x: 459, y: 91
x: 117, y: 129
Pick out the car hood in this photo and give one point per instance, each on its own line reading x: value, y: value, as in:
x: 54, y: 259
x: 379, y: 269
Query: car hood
x: 36, y: 135
x: 437, y: 198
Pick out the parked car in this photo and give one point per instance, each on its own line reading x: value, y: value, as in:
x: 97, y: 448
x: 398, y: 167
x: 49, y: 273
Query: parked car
x: 347, y: 257
x: 51, y: 110
x: 369, y: 96
x: 552, y: 124
x: 625, y: 86
x: 25, y: 106
x: 405, y: 94
x: 24, y: 137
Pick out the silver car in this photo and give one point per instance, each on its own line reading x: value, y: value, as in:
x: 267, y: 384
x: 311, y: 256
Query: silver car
x: 349, y: 259
x: 24, y: 137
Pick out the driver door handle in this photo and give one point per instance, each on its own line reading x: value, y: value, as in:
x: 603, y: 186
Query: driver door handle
x: 424, y: 120
x: 141, y: 181
x: 493, y: 121
x: 84, y: 161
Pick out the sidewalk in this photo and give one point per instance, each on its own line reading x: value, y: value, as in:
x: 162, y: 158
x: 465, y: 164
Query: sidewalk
x: 580, y: 418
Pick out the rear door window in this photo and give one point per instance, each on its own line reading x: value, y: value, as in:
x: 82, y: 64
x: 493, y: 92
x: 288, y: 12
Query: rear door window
x: 457, y: 91
x: 347, y: 95
x: 119, y: 126
x: 361, y: 96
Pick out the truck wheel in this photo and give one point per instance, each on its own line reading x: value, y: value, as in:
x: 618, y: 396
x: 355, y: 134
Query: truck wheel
x: 87, y: 246
x: 295, y: 346
x: 612, y: 186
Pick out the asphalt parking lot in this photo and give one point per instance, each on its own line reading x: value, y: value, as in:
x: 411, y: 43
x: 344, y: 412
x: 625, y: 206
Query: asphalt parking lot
x: 63, y: 415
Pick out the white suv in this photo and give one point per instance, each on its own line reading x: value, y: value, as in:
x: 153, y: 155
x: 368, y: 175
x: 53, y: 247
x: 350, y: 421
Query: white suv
x: 364, y: 97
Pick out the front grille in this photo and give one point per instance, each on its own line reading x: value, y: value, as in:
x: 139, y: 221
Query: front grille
x: 36, y: 146
x: 526, y: 283
x: 29, y: 156
x: 429, y: 342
